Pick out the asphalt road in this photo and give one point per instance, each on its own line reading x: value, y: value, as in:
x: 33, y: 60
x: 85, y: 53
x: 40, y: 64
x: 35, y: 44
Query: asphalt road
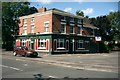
x: 20, y: 67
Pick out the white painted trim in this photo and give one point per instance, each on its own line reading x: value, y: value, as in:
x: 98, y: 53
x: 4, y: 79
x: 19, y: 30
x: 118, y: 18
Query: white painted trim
x: 47, y: 22
x: 41, y: 47
x: 72, y: 24
x: 82, y: 50
x: 32, y: 23
x: 63, y: 22
x: 42, y: 50
x: 61, y: 48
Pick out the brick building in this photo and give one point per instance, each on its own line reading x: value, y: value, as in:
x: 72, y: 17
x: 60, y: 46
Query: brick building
x: 56, y: 31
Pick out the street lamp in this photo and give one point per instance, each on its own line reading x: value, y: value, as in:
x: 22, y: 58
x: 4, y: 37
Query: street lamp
x: 73, y: 45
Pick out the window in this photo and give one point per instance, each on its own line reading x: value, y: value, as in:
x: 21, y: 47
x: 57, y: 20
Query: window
x: 71, y: 29
x: 60, y: 43
x: 62, y: 28
x: 23, y: 42
x: 80, y: 43
x: 24, y: 29
x: 42, y: 43
x: 79, y: 28
x: 25, y: 20
x: 32, y: 28
x: 32, y: 19
x: 79, y: 21
x: 63, y: 18
x: 46, y: 26
x: 71, y: 19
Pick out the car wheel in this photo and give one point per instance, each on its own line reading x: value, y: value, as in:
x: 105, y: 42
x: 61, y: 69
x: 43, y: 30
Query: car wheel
x: 25, y: 55
x: 14, y: 53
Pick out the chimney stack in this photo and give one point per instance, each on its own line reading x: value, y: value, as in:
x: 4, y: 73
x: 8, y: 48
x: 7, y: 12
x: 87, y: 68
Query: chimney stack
x: 42, y: 9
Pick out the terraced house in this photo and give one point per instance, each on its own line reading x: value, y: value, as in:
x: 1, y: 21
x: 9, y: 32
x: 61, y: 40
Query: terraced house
x: 55, y: 31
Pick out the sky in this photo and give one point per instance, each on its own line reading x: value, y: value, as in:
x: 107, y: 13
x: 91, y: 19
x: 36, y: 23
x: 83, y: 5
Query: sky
x: 91, y: 9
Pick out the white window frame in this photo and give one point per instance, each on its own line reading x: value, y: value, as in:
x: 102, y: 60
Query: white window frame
x: 79, y: 44
x: 25, y: 20
x: 71, y: 19
x: 64, y: 28
x: 32, y: 28
x: 64, y: 19
x: 32, y: 19
x: 79, y: 29
x: 40, y: 46
x: 24, y: 30
x: 46, y: 28
x: 79, y: 21
x: 23, y: 41
x: 59, y: 42
x: 73, y: 31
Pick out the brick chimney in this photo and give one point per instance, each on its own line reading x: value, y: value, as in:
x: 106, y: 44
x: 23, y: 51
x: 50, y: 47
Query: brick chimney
x: 42, y: 9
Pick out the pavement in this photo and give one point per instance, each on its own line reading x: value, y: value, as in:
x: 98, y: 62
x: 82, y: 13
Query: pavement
x: 106, y: 62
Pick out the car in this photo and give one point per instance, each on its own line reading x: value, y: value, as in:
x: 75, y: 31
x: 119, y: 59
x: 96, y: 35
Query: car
x: 24, y: 51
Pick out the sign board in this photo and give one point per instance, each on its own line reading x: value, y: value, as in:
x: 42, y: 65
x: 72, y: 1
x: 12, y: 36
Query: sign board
x: 98, y: 38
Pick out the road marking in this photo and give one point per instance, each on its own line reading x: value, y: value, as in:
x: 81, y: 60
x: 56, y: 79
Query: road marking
x: 52, y: 77
x: 11, y: 67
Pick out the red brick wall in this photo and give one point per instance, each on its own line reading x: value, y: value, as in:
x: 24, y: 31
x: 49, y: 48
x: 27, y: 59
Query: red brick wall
x: 39, y: 23
x: 56, y: 23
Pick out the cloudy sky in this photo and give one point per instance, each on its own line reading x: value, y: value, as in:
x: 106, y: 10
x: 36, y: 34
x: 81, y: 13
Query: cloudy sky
x: 91, y: 9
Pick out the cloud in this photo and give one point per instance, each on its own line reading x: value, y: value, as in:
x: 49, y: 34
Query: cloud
x: 88, y: 11
x: 68, y: 9
x: 111, y: 10
x: 45, y: 1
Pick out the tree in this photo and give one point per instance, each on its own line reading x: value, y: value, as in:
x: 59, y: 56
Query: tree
x: 114, y: 18
x: 10, y: 13
x: 80, y: 13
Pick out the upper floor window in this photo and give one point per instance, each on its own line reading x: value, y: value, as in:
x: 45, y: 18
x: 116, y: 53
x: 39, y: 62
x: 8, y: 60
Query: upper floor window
x: 46, y: 26
x: 79, y: 20
x: 71, y: 19
x: 25, y: 30
x: 32, y: 28
x: 71, y: 29
x: 63, y: 18
x: 79, y: 29
x: 25, y: 20
x: 32, y: 19
x: 62, y: 28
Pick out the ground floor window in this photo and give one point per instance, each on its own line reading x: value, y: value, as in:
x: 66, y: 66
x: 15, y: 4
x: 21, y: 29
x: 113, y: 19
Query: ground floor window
x: 23, y: 42
x: 60, y: 43
x: 80, y: 43
x: 42, y: 43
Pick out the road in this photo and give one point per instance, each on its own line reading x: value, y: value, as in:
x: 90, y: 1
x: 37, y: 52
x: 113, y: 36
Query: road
x: 21, y: 67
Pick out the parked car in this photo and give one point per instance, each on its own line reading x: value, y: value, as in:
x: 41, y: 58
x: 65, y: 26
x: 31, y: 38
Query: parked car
x: 24, y: 51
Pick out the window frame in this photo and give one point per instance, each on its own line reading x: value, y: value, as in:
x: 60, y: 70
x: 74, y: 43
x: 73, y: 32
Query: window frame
x: 32, y: 28
x: 72, y: 29
x: 40, y: 45
x: 63, y: 19
x: 63, y: 29
x: 59, y: 41
x: 46, y: 28
x: 32, y: 19
x: 80, y: 44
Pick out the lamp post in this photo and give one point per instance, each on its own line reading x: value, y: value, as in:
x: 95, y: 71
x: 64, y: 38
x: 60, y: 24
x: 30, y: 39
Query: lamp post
x: 73, y: 45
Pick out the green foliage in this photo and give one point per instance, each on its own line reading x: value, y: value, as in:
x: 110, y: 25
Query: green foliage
x: 114, y: 18
x: 10, y: 13
x: 80, y: 13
